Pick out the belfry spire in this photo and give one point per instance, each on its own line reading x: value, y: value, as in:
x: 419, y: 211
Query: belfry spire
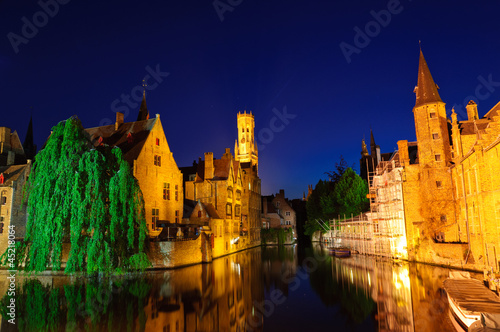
x: 426, y: 90
x: 143, y: 111
x: 28, y: 145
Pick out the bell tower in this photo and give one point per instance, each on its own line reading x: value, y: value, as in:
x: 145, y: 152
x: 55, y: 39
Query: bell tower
x: 246, y: 148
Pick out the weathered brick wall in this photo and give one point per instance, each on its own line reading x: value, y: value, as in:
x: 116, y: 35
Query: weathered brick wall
x: 174, y: 254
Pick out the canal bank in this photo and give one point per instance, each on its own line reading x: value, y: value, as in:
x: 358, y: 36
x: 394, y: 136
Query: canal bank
x: 448, y: 255
x: 267, y: 288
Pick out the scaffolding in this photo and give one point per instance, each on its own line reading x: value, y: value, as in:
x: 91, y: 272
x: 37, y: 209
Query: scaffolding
x: 387, y: 210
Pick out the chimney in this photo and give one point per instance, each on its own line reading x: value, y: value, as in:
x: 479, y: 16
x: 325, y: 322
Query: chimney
x: 227, y: 154
x: 282, y: 193
x: 404, y: 157
x: 472, y: 111
x: 209, y: 165
x: 119, y: 120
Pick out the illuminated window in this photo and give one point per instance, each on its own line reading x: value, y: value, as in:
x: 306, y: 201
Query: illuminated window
x: 435, y: 136
x: 158, y: 141
x: 432, y: 115
x: 154, y: 219
x: 437, y: 157
x: 129, y: 138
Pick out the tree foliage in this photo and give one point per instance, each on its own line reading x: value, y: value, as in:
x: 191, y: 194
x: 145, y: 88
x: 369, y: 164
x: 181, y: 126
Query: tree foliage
x: 87, y: 197
x: 343, y: 194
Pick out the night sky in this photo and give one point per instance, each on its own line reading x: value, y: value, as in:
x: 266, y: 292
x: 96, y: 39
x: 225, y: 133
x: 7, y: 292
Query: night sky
x: 268, y: 57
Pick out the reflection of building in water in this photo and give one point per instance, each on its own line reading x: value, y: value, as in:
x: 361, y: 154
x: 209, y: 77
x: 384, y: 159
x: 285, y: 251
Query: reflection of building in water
x: 387, y: 284
x: 279, y: 264
x: 208, y: 297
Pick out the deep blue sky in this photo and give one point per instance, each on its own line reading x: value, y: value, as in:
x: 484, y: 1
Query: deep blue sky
x: 264, y: 55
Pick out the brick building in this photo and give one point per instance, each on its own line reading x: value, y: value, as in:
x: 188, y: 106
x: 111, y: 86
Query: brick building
x: 451, y: 180
x: 278, y: 206
x: 146, y: 149
x: 246, y: 153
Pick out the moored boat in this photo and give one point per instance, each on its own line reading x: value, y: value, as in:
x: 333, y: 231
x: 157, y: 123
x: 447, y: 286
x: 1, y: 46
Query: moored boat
x: 468, y: 298
x: 342, y: 252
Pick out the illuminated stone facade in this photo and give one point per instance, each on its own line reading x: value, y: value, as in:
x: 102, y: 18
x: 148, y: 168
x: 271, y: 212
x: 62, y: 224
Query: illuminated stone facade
x: 451, y: 185
x: 146, y: 149
x: 245, y: 150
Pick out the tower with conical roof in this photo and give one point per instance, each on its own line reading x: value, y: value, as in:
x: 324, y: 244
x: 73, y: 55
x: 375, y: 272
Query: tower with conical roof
x: 431, y: 124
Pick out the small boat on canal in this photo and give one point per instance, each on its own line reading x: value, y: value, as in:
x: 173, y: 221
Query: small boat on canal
x: 342, y: 252
x: 468, y: 299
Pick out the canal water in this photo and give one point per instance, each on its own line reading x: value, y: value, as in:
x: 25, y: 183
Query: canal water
x: 263, y: 289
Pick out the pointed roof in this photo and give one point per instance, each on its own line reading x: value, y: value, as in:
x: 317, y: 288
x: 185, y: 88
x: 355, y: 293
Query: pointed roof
x: 364, y: 150
x: 372, y: 139
x: 28, y: 145
x: 143, y: 111
x: 426, y: 90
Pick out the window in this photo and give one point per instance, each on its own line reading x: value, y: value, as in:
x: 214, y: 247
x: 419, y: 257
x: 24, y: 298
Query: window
x: 165, y: 191
x: 156, y: 160
x: 156, y: 214
x: 439, y: 184
x: 248, y: 130
x: 176, y: 216
x: 159, y: 160
x: 3, y: 198
x: 437, y: 157
x: 443, y: 218
x: 229, y: 193
x: 229, y: 209
x: 199, y: 214
x: 287, y: 213
x: 176, y: 192
x: 158, y: 141
x: 278, y: 204
x: 432, y: 115
x: 237, y: 210
x: 177, y: 326
x: 435, y: 136
x: 242, y: 130
x: 1, y: 227
x: 238, y: 195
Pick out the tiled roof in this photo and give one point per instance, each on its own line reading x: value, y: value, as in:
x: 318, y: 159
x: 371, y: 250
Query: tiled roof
x: 468, y: 127
x: 11, y: 173
x: 131, y: 145
x: 427, y: 90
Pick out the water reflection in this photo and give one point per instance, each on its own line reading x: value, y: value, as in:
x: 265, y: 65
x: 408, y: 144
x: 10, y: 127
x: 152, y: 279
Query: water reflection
x: 204, y: 297
x: 263, y: 289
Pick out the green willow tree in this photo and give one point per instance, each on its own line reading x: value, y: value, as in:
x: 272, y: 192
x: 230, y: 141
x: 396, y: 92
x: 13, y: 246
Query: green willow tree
x: 85, y: 196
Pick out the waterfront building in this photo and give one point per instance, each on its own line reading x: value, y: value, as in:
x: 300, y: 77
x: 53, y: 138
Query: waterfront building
x: 278, y: 212
x: 246, y: 153
x: 145, y: 148
x: 451, y: 181
x: 217, y: 185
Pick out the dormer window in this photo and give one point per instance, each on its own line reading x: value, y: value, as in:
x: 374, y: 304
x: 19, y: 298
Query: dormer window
x: 99, y: 140
x: 129, y: 138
